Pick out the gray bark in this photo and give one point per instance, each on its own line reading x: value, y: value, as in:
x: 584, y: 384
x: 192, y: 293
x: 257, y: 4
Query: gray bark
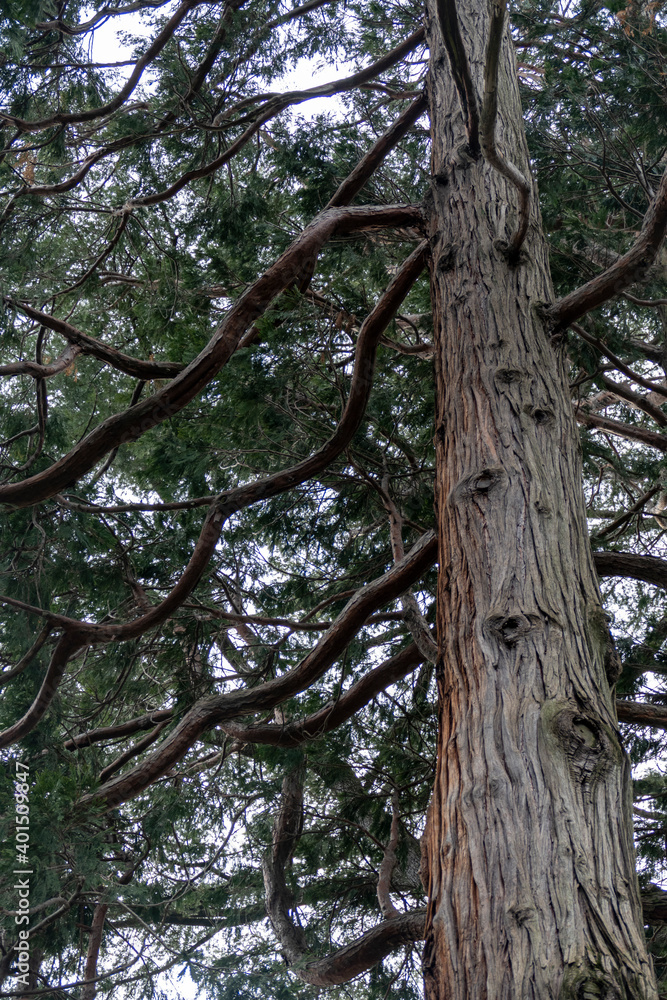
x: 530, y: 860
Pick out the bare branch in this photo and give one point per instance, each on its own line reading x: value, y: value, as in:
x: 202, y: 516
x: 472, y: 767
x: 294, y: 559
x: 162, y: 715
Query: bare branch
x: 120, y: 731
x: 369, y: 163
x: 132, y: 752
x: 388, y: 864
x: 622, y: 430
x: 89, y: 345
x: 27, y: 659
x: 641, y: 713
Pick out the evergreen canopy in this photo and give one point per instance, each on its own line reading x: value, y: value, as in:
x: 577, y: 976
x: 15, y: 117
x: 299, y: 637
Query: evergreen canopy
x: 217, y: 469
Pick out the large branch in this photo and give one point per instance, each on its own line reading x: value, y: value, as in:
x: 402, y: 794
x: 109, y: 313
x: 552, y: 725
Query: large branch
x: 626, y: 431
x: 79, y: 633
x: 649, y: 569
x: 369, y: 163
x: 88, y: 990
x: 213, y: 711
x: 629, y: 268
x: 458, y: 60
x: 641, y: 713
x: 335, y: 713
x: 64, y: 651
x: 287, y: 828
x: 292, y: 267
x: 35, y: 370
x: 360, y: 955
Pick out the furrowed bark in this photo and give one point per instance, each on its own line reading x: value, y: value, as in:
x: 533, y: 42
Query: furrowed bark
x: 531, y: 880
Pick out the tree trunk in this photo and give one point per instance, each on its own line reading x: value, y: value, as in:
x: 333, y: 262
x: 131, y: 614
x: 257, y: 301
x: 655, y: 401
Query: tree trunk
x: 532, y: 885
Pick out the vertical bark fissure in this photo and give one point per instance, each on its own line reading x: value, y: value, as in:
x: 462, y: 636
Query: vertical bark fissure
x: 533, y: 892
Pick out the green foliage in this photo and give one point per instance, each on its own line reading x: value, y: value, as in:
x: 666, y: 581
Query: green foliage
x: 180, y: 865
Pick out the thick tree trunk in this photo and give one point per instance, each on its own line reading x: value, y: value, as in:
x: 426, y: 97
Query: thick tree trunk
x: 532, y: 886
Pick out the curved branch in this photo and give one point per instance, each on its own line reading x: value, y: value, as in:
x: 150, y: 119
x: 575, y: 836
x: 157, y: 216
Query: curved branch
x: 335, y: 713
x: 35, y: 370
x: 81, y: 29
x: 345, y: 963
x: 213, y: 711
x: 629, y: 268
x: 488, y: 118
x: 286, y: 832
x: 292, y: 267
x: 153, y: 50
x: 274, y: 105
x: 351, y: 960
x: 627, y: 515
x: 120, y: 731
x: 616, y: 361
x: 28, y: 657
x: 388, y: 864
x: 78, y: 633
x: 65, y: 649
x: 135, y: 367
